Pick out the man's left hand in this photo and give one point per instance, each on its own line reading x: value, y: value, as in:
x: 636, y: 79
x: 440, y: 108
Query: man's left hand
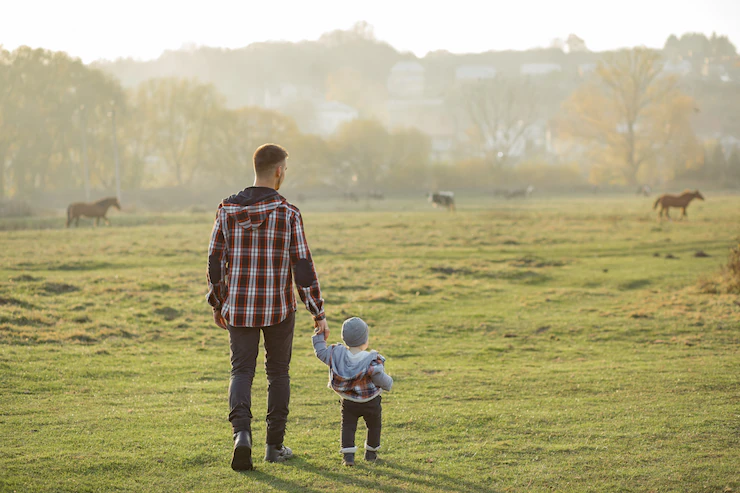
x: 219, y: 319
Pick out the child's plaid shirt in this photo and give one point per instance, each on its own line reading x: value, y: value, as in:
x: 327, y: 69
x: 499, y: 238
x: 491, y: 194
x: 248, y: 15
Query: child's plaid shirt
x: 358, y: 387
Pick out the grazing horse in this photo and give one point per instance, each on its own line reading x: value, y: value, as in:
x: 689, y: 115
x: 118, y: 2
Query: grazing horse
x: 95, y: 210
x: 682, y: 201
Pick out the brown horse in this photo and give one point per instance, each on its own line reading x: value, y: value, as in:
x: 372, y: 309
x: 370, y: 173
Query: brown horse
x: 682, y: 201
x: 95, y: 210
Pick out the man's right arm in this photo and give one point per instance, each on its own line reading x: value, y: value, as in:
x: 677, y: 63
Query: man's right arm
x: 217, y: 265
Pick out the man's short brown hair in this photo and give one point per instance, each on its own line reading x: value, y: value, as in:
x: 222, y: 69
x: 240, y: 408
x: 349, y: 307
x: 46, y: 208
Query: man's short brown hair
x: 267, y: 156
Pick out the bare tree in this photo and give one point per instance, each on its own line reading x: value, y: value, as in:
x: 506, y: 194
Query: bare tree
x: 630, y: 115
x: 501, y: 111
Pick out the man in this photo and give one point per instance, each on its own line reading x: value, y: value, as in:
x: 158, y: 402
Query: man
x: 257, y: 248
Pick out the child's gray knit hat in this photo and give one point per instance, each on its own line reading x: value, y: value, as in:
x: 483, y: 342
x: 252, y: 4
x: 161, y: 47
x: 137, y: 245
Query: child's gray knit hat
x: 354, y: 332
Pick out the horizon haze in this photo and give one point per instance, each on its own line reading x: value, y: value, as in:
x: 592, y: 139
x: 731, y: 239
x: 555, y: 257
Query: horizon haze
x: 144, y: 30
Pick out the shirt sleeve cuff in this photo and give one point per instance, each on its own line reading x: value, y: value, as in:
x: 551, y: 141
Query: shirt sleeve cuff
x: 213, y: 299
x: 318, y: 318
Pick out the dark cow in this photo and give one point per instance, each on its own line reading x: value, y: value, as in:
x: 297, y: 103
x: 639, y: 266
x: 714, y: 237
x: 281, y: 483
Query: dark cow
x: 443, y: 199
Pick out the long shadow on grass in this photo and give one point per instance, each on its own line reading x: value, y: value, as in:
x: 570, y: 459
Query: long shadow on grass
x: 382, y: 472
x: 439, y: 480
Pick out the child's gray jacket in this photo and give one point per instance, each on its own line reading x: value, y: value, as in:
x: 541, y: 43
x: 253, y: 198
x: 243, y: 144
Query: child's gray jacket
x: 357, y: 377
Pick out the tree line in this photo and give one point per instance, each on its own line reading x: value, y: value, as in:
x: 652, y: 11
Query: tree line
x: 61, y: 123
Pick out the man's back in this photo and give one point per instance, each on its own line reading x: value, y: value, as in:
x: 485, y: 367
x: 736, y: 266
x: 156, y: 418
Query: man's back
x: 258, y: 245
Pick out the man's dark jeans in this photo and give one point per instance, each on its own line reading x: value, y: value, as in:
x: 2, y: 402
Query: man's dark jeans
x: 371, y: 411
x: 245, y: 343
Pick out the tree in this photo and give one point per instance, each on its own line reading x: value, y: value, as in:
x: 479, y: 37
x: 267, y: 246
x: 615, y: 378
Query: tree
x: 240, y: 132
x: 575, y: 44
x: 361, y: 150
x: 41, y: 95
x: 721, y: 46
x: 500, y: 110
x: 180, y: 114
x: 717, y: 165
x: 631, y: 117
x: 410, y: 150
x: 733, y: 166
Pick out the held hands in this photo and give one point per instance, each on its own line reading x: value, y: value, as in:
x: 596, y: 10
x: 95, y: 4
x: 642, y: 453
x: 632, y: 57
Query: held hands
x: 321, y: 327
x: 219, y: 319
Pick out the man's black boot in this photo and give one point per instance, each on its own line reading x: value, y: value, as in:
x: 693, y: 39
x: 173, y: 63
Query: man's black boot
x: 242, y: 459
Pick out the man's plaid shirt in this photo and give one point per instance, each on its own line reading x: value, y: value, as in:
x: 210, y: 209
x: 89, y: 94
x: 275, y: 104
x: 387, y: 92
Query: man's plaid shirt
x: 255, y: 252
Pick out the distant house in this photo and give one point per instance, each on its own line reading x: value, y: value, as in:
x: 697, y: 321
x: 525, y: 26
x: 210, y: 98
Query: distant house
x: 474, y: 72
x: 729, y: 144
x: 677, y: 67
x: 715, y: 71
x: 586, y: 68
x: 406, y: 81
x: 539, y: 68
x: 429, y: 116
x: 331, y: 114
x: 279, y: 96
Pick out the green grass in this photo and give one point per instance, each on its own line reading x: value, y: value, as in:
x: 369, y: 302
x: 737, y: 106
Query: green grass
x: 546, y: 345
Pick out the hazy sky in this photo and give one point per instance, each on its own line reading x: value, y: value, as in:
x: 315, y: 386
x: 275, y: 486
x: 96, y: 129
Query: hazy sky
x: 93, y: 29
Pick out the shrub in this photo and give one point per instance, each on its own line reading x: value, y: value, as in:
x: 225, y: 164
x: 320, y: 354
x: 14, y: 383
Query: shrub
x: 15, y: 208
x: 727, y: 281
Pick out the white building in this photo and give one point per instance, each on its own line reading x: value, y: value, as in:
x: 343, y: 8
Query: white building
x: 539, y: 68
x: 586, y: 68
x: 331, y: 114
x: 474, y: 73
x: 406, y: 81
x: 677, y: 67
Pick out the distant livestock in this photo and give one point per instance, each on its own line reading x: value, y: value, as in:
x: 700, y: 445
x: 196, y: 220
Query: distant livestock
x: 96, y: 210
x: 682, y: 201
x: 644, y: 190
x: 520, y: 193
x: 443, y: 199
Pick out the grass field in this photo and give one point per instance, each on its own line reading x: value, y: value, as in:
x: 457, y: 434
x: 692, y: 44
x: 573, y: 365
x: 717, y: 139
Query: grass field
x: 547, y: 345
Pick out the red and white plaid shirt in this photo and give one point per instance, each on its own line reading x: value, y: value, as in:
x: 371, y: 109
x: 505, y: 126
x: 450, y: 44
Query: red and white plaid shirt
x: 255, y: 252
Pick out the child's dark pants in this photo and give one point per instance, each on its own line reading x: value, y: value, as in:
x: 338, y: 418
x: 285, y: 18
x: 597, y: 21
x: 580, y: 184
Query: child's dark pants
x: 351, y: 411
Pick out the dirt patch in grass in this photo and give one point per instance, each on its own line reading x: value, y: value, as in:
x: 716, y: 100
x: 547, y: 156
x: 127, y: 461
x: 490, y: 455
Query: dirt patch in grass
x: 167, y: 312
x: 26, y: 278
x: 155, y: 286
x: 23, y: 321
x: 535, y: 262
x: 15, y: 302
x: 635, y: 284
x: 74, y: 265
x: 58, y: 288
x: 82, y: 337
x: 448, y: 271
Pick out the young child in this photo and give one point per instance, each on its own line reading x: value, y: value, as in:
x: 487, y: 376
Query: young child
x: 359, y: 378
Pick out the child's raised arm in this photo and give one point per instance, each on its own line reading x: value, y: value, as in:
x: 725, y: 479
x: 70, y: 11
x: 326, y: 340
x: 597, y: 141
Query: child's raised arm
x: 319, y: 348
